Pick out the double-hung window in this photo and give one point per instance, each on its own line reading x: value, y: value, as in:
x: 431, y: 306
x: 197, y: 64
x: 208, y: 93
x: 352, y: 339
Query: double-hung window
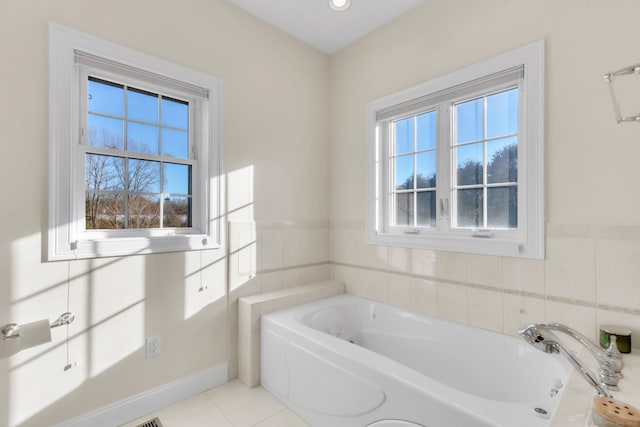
x: 456, y: 163
x: 134, y: 151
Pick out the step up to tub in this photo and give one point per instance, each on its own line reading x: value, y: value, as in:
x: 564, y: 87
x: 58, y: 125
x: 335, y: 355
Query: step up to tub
x: 251, y: 308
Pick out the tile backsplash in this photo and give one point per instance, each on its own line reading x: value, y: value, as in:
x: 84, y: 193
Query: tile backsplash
x: 590, y: 277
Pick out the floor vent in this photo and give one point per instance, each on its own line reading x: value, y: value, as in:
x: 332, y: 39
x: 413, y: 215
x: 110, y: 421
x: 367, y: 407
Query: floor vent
x: 151, y: 423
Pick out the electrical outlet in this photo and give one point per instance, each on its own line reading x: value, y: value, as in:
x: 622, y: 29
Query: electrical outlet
x: 153, y: 346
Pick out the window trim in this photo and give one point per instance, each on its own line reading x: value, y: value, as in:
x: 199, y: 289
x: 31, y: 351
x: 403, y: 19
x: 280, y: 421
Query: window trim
x: 64, y: 240
x: 530, y: 242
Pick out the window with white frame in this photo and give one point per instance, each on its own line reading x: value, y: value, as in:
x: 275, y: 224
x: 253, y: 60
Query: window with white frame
x: 456, y: 163
x: 135, y: 145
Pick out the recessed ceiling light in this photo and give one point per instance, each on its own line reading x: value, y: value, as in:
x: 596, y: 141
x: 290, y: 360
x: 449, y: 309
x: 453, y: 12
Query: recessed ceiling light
x: 339, y: 5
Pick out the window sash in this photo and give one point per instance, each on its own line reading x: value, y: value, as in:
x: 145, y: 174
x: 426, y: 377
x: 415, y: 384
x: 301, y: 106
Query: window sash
x: 84, y: 149
x: 443, y: 103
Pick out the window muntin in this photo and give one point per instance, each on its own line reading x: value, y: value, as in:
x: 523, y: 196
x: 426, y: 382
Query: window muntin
x: 505, y: 193
x: 484, y: 153
x: 413, y: 162
x: 74, y: 56
x: 138, y: 172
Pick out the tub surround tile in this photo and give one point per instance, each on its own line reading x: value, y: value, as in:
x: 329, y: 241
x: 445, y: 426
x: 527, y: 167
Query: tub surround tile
x: 485, y: 270
x: 424, y: 296
x: 485, y: 309
x: 526, y: 275
x: 569, y: 269
x: 452, y: 266
x: 423, y: 262
x: 519, y: 311
x: 251, y: 308
x: 582, y: 319
x: 451, y: 302
x: 400, y: 259
x: 377, y: 257
x: 618, y: 272
x: 400, y: 290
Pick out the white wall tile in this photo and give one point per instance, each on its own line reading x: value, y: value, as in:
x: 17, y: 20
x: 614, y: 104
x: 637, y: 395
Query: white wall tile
x: 569, y: 268
x: 485, y: 309
x: 452, y: 302
x: 424, y: 296
x: 423, y: 262
x: 400, y: 259
x: 485, y: 270
x: 400, y: 290
x: 582, y: 319
x: 452, y: 266
x: 520, y: 311
x: 525, y: 275
x: 618, y: 272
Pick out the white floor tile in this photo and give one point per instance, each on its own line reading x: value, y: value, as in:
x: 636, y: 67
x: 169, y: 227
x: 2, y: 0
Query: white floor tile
x: 179, y: 411
x: 250, y: 408
x: 207, y: 418
x: 284, y: 418
x: 227, y: 391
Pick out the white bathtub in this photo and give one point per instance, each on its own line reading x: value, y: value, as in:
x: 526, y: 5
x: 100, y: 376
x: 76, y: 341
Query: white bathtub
x: 346, y: 361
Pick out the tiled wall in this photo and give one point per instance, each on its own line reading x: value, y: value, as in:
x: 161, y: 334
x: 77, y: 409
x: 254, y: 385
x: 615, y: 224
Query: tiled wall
x: 590, y: 277
x: 266, y: 256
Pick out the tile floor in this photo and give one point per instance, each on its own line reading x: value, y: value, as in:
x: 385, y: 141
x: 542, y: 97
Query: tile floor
x: 230, y: 405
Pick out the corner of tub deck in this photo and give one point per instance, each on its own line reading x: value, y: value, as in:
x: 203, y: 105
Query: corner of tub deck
x: 251, y: 308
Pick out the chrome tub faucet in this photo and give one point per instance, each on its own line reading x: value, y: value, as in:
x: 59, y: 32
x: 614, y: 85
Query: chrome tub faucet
x: 540, y: 336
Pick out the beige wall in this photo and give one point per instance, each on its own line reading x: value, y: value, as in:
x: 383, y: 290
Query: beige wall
x: 275, y: 162
x: 591, y: 274
x: 286, y: 185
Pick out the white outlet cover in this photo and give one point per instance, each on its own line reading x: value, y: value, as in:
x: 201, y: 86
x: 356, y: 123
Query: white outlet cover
x: 153, y: 346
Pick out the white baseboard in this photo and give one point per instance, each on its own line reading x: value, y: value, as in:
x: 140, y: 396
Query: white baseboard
x: 145, y: 403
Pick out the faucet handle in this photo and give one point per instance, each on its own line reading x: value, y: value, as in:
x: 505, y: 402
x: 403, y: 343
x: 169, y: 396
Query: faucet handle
x: 612, y: 350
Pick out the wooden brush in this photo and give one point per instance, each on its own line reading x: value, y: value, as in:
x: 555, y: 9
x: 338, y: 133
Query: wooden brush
x: 616, y: 412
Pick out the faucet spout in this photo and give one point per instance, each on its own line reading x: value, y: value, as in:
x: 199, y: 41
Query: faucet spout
x: 612, y: 362
x: 540, y: 336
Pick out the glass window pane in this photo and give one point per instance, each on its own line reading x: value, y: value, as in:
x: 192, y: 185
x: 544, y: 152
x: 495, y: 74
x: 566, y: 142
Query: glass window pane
x: 469, y: 208
x: 502, y: 113
x: 502, y: 207
x: 103, y: 173
x: 404, y: 136
x: 426, y: 212
x: 404, y: 172
x: 175, y: 143
x: 144, y: 211
x: 469, y: 121
x: 426, y: 173
x: 144, y: 176
x: 469, y: 164
x: 502, y: 158
x: 104, y: 211
x: 104, y: 132
x: 177, y: 179
x: 142, y: 138
x: 142, y: 106
x: 404, y: 208
x: 175, y: 114
x: 105, y: 97
x: 177, y: 212
x: 426, y: 131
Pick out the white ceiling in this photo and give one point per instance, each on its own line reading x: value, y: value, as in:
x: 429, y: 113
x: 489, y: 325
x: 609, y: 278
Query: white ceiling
x: 313, y: 22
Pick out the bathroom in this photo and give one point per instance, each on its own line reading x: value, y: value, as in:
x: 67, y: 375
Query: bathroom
x: 292, y: 190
